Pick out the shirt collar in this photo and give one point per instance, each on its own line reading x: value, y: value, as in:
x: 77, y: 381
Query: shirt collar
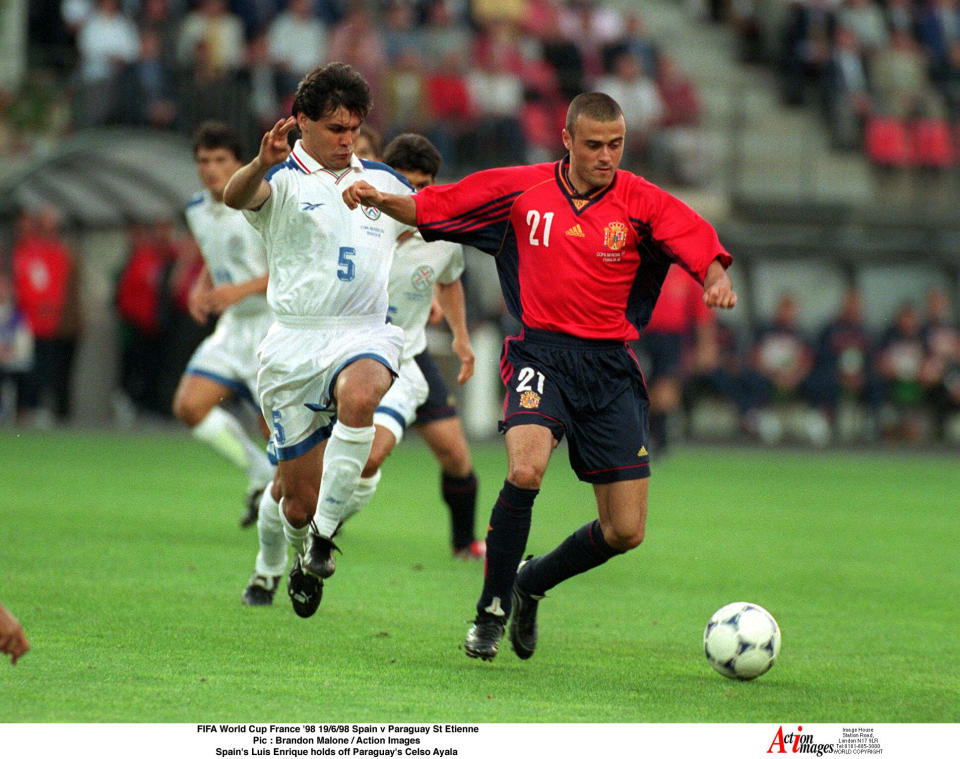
x: 310, y: 165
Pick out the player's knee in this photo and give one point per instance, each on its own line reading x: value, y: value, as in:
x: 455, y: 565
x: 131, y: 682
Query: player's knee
x: 355, y: 408
x: 526, y: 476
x: 454, y: 458
x: 188, y: 411
x: 623, y: 539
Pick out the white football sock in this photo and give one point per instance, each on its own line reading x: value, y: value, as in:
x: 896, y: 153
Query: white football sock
x: 343, y: 461
x: 223, y: 432
x: 361, y: 495
x: 294, y: 535
x: 272, y: 557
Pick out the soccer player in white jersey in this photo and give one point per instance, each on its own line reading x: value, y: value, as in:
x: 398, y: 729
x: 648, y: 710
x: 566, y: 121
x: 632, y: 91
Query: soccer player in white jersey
x: 330, y: 356
x: 417, y: 266
x: 416, y: 396
x: 231, y: 287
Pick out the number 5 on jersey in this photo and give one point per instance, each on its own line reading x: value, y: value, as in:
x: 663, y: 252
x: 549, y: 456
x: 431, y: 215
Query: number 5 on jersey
x: 346, y: 270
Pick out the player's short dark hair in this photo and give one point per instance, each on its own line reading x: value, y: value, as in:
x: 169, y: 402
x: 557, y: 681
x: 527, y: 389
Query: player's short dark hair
x: 211, y: 135
x: 412, y: 152
x: 330, y: 86
x: 594, y: 105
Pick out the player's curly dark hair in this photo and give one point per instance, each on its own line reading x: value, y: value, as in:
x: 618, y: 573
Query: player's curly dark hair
x: 594, y: 105
x: 330, y: 86
x: 412, y: 152
x: 211, y: 135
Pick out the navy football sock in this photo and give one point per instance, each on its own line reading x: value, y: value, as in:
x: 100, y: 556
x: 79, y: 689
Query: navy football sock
x: 506, y: 539
x: 583, y: 550
x: 460, y: 495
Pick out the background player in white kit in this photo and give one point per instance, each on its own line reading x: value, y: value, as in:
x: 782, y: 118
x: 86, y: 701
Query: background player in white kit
x: 232, y: 287
x: 414, y: 268
x: 417, y: 266
x: 330, y: 354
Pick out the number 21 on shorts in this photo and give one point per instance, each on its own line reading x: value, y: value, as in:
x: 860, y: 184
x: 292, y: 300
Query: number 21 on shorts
x: 530, y: 387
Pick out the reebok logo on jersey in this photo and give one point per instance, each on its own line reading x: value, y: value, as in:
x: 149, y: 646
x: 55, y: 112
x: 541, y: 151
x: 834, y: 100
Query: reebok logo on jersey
x: 576, y: 231
x: 310, y: 206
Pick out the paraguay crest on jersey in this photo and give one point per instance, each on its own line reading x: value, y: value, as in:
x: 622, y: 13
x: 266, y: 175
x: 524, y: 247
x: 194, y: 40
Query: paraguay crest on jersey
x: 423, y: 277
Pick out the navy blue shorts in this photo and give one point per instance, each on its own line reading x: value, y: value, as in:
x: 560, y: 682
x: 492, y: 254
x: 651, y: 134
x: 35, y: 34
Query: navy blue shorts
x: 592, y: 391
x: 439, y: 403
x: 663, y: 349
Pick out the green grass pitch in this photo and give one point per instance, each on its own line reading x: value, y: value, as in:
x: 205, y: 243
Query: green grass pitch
x: 122, y: 557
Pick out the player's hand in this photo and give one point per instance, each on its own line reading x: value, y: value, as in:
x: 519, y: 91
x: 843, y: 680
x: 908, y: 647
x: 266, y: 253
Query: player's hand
x: 274, y: 147
x: 464, y: 351
x: 717, y: 288
x: 362, y: 193
x: 198, y: 304
x: 720, y: 296
x: 13, y: 640
x: 222, y: 297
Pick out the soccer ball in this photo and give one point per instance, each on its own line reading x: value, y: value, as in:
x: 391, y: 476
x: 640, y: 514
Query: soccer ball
x: 741, y: 640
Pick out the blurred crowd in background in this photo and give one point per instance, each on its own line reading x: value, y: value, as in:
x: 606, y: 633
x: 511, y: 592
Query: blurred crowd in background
x: 488, y: 81
x: 884, y: 73
x: 844, y: 383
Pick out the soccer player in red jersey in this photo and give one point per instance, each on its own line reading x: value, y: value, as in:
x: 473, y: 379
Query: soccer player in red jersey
x: 581, y: 249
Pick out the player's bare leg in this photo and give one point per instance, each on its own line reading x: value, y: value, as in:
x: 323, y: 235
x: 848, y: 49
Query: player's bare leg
x: 622, y: 509
x: 458, y: 486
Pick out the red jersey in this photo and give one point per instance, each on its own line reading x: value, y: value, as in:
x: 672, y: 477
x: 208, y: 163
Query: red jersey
x: 680, y: 307
x: 41, y: 274
x: 584, y: 265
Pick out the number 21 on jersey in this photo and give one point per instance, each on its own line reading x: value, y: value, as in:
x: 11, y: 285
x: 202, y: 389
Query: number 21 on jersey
x: 539, y: 235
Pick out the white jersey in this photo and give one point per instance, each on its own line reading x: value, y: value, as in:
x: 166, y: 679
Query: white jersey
x: 417, y: 266
x: 326, y: 260
x: 232, y: 250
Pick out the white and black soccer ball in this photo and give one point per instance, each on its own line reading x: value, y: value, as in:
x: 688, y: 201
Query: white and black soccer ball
x: 741, y: 640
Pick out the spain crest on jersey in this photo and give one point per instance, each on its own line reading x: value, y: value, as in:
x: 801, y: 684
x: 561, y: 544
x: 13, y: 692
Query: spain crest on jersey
x: 529, y: 399
x: 615, y: 235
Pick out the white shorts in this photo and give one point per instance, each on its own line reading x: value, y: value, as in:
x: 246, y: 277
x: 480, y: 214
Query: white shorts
x: 399, y: 406
x: 299, y: 366
x: 229, y: 355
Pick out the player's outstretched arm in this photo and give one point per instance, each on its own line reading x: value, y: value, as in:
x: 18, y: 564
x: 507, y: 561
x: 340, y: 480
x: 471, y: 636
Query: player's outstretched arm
x: 718, y: 288
x: 403, y: 208
x: 247, y: 188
